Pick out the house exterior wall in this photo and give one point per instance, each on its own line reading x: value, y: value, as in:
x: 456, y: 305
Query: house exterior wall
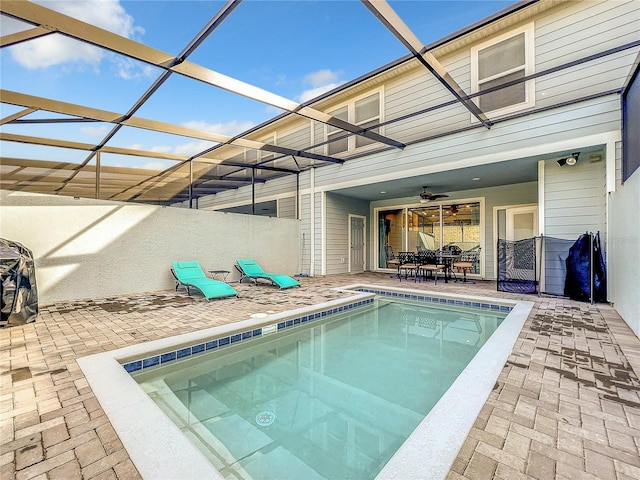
x: 624, y: 251
x: 338, y: 209
x: 96, y: 248
x: 575, y: 108
x: 490, y: 198
x: 582, y: 22
x: 287, y: 207
x: 575, y: 199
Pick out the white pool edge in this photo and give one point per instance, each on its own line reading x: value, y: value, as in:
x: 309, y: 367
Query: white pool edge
x: 160, y: 450
x: 431, y: 449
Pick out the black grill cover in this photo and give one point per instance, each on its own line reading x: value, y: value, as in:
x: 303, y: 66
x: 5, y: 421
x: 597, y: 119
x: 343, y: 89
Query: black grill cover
x: 19, y: 294
x: 578, y: 281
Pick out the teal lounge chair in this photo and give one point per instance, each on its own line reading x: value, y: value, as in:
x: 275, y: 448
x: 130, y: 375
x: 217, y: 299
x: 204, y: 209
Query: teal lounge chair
x: 250, y: 269
x: 190, y: 275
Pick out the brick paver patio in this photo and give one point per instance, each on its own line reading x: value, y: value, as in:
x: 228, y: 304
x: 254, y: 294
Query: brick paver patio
x: 566, y: 405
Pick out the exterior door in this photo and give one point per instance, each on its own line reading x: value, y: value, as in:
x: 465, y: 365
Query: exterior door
x: 521, y: 226
x: 521, y: 222
x: 356, y: 244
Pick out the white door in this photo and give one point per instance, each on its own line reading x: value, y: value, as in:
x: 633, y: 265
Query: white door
x: 356, y: 244
x: 521, y: 222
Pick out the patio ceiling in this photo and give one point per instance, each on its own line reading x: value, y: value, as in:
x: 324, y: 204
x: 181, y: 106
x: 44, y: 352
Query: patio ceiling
x: 46, y: 156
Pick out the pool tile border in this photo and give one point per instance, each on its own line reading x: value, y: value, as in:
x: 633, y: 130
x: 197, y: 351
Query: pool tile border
x: 188, y: 351
x: 438, y: 299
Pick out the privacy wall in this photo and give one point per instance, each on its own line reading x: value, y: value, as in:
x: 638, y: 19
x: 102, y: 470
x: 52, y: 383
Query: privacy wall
x: 87, y: 248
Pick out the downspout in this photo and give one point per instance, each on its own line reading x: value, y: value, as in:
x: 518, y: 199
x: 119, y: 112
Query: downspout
x: 298, y: 196
x: 98, y: 174
x: 253, y: 191
x: 312, y: 193
x: 191, y: 184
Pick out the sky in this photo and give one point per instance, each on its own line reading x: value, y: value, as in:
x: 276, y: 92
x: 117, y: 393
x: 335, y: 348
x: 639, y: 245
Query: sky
x: 296, y: 49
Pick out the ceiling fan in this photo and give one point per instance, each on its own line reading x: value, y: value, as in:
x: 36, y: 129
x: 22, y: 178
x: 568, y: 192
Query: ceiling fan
x: 429, y: 197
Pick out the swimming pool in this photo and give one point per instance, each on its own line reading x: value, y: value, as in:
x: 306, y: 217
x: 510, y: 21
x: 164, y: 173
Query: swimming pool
x: 150, y: 438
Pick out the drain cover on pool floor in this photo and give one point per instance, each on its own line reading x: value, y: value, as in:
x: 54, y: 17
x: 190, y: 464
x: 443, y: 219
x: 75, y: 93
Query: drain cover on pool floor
x: 265, y: 418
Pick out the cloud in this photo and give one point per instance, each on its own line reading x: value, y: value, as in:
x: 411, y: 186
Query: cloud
x: 129, y: 69
x: 161, y: 149
x: 160, y: 165
x: 320, y: 81
x: 321, y: 77
x: 59, y: 50
x: 96, y: 132
x: 196, y: 146
x: 231, y: 128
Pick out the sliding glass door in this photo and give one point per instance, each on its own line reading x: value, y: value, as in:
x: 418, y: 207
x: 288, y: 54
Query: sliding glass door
x: 429, y: 227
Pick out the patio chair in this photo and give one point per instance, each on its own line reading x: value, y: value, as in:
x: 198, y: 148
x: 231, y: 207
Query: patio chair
x: 407, y: 264
x: 190, y: 275
x: 392, y: 261
x: 467, y: 262
x: 250, y: 269
x: 428, y: 264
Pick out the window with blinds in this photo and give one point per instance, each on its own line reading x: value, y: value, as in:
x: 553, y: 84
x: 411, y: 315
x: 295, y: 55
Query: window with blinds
x: 364, y: 112
x: 501, y: 61
x: 334, y: 135
x: 367, y: 114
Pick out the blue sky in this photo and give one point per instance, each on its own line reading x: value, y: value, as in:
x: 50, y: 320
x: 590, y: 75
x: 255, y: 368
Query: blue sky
x: 296, y: 49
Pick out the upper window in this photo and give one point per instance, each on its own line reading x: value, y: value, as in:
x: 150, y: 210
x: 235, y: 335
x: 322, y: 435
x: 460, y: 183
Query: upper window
x: 364, y: 112
x: 501, y: 60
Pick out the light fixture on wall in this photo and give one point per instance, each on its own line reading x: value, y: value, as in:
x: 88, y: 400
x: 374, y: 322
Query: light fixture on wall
x: 572, y: 160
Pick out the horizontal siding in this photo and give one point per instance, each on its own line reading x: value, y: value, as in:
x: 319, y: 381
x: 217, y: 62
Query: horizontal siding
x: 575, y: 199
x: 588, y: 79
x: 298, y: 139
x: 588, y: 118
x: 269, y: 190
x: 591, y: 27
x: 287, y: 207
x: 338, y: 208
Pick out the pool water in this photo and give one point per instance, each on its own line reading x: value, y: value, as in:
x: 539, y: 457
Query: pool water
x: 331, y: 399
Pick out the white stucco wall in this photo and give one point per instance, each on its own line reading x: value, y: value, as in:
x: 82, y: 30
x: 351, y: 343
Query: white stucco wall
x: 624, y: 251
x: 91, y: 248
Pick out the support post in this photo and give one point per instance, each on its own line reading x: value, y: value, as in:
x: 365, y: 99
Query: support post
x: 191, y: 184
x: 253, y: 191
x: 98, y: 175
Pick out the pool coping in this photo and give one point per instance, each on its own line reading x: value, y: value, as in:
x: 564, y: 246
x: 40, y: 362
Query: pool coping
x: 155, y: 448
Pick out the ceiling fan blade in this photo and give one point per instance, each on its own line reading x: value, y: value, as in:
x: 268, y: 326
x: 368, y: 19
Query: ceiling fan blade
x: 437, y: 196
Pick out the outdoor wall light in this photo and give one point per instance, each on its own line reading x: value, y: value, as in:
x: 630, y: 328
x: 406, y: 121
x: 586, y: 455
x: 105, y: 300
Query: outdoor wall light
x: 569, y: 160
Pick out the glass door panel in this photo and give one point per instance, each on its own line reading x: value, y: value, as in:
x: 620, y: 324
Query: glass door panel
x: 461, y: 225
x: 391, y: 236
x: 424, y: 228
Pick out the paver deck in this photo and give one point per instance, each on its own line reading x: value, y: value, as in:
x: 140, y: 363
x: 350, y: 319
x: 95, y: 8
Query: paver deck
x: 566, y: 405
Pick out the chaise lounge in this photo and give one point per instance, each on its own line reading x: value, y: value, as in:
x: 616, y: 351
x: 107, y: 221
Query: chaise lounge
x: 191, y: 275
x: 250, y: 269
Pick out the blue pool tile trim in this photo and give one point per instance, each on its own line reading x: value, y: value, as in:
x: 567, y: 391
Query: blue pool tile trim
x: 448, y: 301
x: 184, y: 352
